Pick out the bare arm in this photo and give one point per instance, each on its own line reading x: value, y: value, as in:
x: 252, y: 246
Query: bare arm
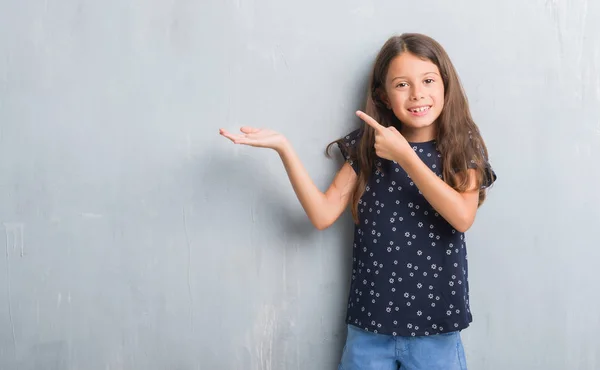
x: 458, y: 209
x: 323, y: 209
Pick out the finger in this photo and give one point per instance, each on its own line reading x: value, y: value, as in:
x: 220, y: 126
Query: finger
x: 249, y: 141
x: 240, y: 139
x: 369, y: 120
x: 249, y: 130
x: 234, y: 138
x: 225, y: 133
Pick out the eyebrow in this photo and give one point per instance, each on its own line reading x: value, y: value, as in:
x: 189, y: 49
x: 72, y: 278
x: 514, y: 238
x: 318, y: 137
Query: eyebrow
x: 424, y: 74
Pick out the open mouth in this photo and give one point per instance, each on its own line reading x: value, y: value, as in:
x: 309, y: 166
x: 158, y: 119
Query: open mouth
x: 420, y: 111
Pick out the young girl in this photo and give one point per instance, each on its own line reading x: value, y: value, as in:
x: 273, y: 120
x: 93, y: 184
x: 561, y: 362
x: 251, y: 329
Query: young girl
x: 414, y: 177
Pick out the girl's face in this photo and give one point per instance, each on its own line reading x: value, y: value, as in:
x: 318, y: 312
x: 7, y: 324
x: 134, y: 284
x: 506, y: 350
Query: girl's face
x: 414, y: 91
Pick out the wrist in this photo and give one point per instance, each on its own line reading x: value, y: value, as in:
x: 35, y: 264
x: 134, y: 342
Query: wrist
x: 284, y: 148
x: 406, y: 158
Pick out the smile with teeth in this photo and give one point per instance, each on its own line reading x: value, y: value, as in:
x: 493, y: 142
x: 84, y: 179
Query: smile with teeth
x: 420, y: 109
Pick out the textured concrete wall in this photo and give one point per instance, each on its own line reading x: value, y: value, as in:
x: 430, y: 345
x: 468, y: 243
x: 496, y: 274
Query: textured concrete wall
x: 137, y: 238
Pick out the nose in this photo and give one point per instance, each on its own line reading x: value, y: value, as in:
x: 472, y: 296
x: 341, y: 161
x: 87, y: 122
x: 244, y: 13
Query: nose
x: 417, y: 93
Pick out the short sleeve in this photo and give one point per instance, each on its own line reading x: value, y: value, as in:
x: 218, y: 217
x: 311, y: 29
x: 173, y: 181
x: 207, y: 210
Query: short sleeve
x: 348, y: 146
x: 489, y: 173
x: 490, y: 176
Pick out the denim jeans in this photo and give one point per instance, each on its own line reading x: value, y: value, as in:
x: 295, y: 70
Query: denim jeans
x: 368, y: 351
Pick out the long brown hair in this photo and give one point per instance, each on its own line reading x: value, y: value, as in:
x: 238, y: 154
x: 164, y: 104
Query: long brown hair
x: 458, y: 138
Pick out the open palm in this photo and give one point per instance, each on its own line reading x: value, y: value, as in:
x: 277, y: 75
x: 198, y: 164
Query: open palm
x: 262, y: 138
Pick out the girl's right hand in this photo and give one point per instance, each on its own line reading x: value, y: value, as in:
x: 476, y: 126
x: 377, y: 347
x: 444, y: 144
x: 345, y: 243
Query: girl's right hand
x: 321, y: 208
x: 256, y: 137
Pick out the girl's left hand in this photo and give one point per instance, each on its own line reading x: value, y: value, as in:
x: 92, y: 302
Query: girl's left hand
x: 389, y: 142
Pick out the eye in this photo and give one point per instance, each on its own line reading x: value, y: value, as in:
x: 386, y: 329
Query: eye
x: 402, y: 84
x: 429, y: 80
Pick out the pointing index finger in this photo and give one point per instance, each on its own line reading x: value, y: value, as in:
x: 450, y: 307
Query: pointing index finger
x: 369, y: 120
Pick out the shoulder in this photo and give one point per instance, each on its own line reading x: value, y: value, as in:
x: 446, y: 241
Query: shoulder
x: 349, y: 142
x: 348, y: 145
x: 353, y: 137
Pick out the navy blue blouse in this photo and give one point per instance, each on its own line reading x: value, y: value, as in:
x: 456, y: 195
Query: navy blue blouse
x: 409, y: 270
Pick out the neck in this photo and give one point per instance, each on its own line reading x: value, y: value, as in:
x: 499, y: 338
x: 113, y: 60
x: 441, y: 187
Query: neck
x: 419, y: 135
